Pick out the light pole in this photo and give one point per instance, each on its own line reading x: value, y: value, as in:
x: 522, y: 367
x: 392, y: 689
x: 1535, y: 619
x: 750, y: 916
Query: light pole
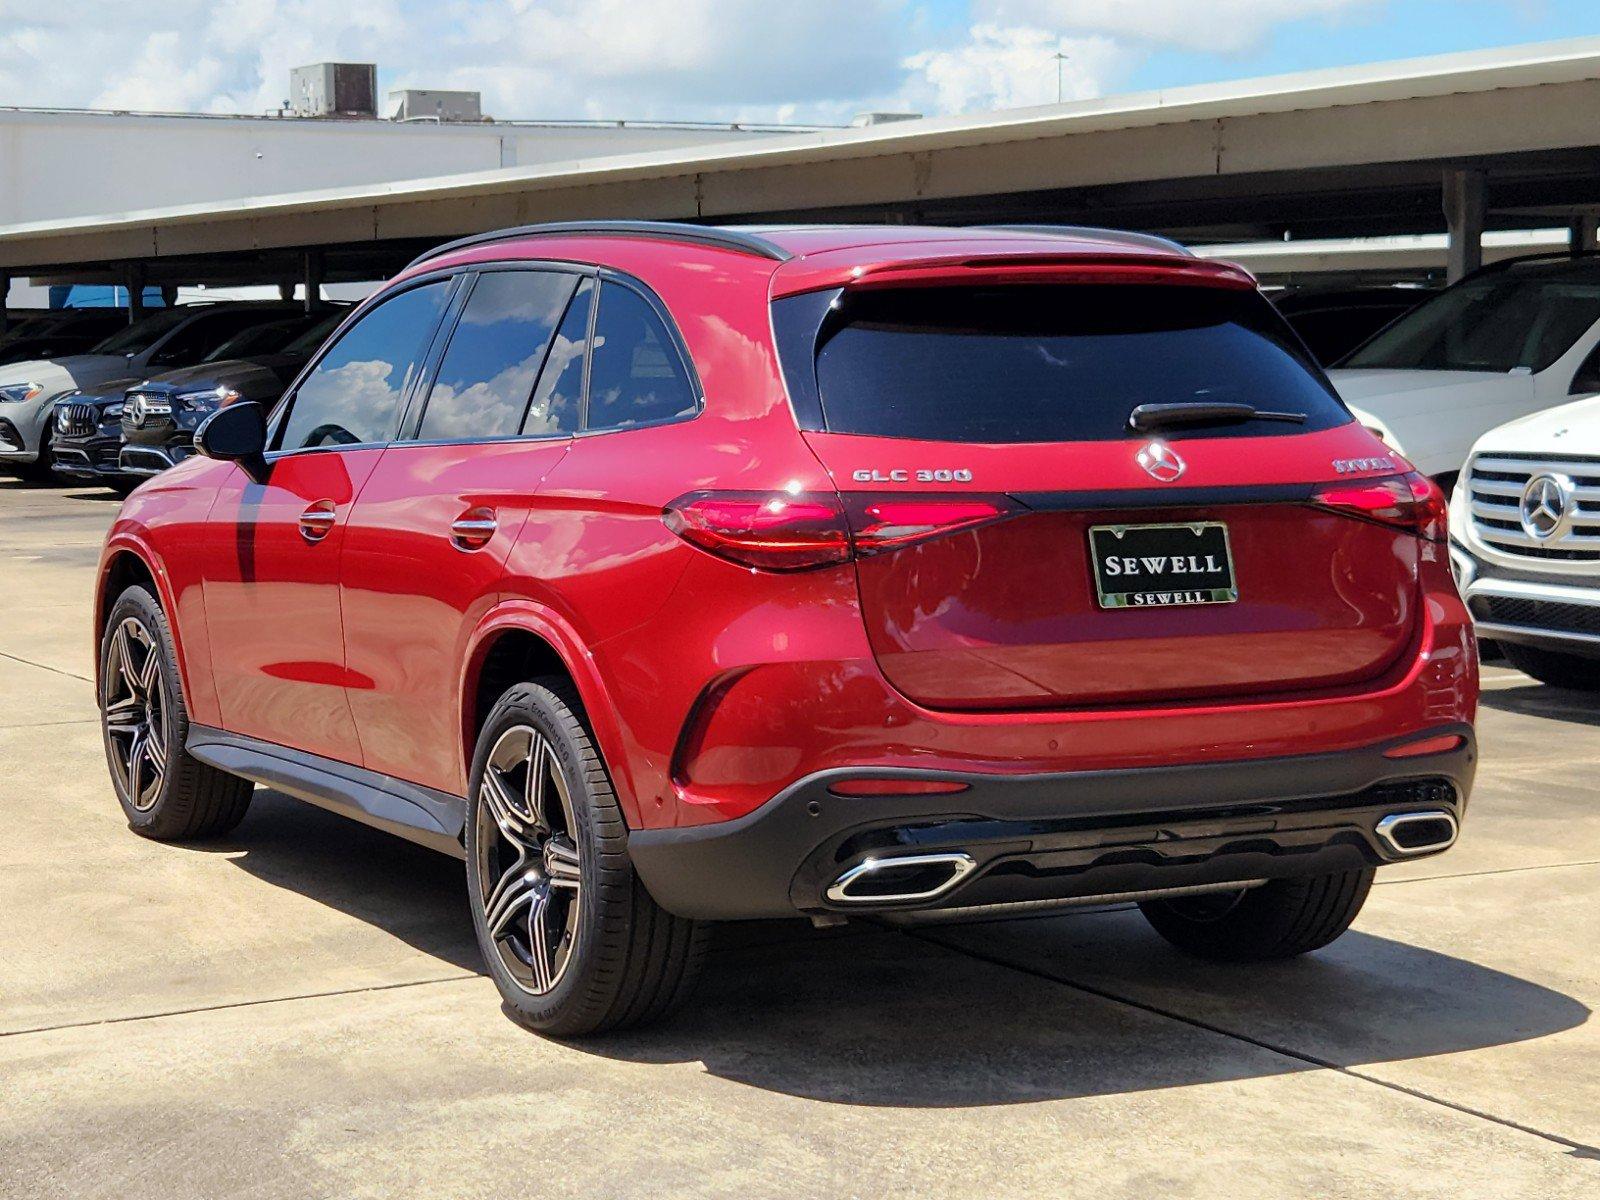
x: 1061, y: 58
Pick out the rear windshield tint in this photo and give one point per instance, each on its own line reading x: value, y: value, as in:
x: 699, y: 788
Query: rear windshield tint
x: 1055, y: 363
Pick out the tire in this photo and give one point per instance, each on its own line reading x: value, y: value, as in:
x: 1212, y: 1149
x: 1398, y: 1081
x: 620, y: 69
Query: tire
x: 612, y: 958
x: 1279, y: 919
x: 41, y: 469
x: 165, y: 792
x: 1553, y: 667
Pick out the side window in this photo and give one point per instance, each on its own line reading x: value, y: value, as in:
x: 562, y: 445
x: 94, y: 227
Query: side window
x: 560, y: 391
x: 353, y: 395
x: 636, y: 376
x: 205, y: 333
x: 486, y: 379
x: 1588, y: 377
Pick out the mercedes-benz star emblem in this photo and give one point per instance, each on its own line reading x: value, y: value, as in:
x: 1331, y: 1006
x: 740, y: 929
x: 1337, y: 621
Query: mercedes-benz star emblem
x: 1161, y: 461
x: 1546, y: 506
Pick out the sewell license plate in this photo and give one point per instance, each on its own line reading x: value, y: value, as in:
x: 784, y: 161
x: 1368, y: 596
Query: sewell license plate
x: 1159, y: 566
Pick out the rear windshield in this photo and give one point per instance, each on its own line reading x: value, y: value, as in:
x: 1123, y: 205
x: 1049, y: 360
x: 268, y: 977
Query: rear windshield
x: 1058, y: 363
x: 1526, y: 315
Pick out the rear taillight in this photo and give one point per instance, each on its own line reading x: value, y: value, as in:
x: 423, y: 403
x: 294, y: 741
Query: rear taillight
x: 879, y: 523
x: 773, y: 532
x: 783, y: 532
x: 1411, y: 501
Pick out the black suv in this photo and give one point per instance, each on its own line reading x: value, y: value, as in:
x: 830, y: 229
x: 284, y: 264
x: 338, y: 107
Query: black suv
x: 86, y: 426
x: 160, y: 415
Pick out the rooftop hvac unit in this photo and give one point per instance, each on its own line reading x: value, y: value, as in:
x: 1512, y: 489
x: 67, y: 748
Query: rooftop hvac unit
x: 334, y: 90
x: 425, y: 104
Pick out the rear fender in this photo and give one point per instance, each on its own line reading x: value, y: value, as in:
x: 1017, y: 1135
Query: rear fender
x: 530, y: 617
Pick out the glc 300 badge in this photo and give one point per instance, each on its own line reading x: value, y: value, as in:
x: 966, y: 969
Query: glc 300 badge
x: 919, y: 474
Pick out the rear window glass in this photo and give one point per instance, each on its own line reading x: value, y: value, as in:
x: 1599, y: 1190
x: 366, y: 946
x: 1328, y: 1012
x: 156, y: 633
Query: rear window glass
x: 1058, y: 363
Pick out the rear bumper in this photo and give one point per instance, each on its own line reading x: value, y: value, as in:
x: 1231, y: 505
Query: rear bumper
x: 1033, y: 839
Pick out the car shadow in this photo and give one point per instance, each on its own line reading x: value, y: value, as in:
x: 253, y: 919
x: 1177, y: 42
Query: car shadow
x: 1543, y: 700
x: 410, y: 892
x: 868, y: 1015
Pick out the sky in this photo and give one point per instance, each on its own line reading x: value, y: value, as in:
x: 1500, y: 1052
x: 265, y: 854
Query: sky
x: 807, y: 61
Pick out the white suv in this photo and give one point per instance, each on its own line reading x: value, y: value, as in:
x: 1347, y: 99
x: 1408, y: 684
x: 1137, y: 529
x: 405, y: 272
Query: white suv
x: 1525, y: 541
x: 1513, y: 339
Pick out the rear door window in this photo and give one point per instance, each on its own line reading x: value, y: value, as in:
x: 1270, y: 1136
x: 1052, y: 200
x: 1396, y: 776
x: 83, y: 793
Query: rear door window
x: 1055, y: 363
x: 637, y: 376
x: 485, y: 382
x: 559, y: 395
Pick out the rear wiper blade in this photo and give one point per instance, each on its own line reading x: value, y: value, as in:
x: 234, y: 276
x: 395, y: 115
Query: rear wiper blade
x: 1146, y: 417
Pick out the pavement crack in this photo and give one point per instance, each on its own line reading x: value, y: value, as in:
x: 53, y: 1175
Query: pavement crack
x: 205, y: 1008
x: 1490, y: 871
x: 28, y: 662
x: 1576, y: 1149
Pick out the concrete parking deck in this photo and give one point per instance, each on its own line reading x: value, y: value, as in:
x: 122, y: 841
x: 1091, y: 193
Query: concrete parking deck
x: 297, y: 1010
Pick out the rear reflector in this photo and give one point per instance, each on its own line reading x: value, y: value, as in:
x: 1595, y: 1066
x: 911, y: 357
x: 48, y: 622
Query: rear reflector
x: 1411, y: 501
x: 1433, y: 745
x: 776, y: 531
x: 896, y: 787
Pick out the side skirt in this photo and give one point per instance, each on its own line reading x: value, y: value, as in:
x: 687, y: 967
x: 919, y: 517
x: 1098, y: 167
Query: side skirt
x: 416, y: 813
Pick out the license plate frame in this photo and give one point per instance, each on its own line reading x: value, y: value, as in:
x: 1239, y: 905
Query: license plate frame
x: 1163, y: 588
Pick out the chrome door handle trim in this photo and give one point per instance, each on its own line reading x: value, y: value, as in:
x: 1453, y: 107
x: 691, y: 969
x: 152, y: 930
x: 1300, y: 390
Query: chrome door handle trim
x: 316, y: 523
x: 473, y: 532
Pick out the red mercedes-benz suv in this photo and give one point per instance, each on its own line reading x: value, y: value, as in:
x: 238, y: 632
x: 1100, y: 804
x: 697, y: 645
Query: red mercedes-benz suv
x: 673, y: 574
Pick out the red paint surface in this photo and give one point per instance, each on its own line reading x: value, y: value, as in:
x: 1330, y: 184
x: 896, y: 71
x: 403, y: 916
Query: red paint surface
x: 711, y: 686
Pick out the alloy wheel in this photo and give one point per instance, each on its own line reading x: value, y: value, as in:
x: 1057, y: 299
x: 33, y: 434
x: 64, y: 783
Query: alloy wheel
x: 134, y: 707
x: 527, y: 862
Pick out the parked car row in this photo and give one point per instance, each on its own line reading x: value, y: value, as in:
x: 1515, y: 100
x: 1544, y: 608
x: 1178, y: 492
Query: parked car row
x: 127, y: 407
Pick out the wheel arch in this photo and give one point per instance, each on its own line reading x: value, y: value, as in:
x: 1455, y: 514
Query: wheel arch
x: 519, y: 640
x: 125, y: 564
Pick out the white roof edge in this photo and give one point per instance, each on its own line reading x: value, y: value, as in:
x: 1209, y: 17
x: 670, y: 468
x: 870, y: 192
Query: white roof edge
x: 1565, y: 61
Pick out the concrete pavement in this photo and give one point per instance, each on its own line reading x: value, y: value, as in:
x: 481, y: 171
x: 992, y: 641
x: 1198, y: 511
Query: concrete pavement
x: 297, y: 1010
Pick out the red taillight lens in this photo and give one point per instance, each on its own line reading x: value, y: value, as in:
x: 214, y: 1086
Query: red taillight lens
x: 882, y: 523
x: 896, y: 787
x: 769, y: 531
x: 776, y: 531
x: 1411, y: 501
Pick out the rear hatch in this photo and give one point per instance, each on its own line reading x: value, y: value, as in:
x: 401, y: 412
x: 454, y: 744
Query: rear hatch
x: 1040, y: 551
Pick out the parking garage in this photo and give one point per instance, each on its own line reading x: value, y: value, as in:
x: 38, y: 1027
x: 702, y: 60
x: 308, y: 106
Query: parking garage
x: 1451, y: 146
x: 300, y: 1002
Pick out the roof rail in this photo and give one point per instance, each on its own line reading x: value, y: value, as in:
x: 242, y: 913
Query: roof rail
x: 1151, y: 240
x: 671, y: 231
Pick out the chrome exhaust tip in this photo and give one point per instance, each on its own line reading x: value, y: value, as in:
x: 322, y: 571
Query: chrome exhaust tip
x: 1413, y: 833
x: 900, y: 878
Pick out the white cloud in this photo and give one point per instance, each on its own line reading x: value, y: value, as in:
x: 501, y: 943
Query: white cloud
x: 1225, y: 26
x: 1000, y: 67
x: 751, y: 60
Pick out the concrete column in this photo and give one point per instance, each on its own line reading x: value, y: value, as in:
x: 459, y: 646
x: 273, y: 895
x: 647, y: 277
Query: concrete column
x: 1464, y: 209
x: 5, y: 297
x: 134, y: 278
x: 313, y: 279
x: 286, y: 290
x: 1582, y: 233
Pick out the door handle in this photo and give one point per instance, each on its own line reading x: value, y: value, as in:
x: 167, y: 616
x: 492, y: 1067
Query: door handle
x: 317, y: 521
x: 473, y: 529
